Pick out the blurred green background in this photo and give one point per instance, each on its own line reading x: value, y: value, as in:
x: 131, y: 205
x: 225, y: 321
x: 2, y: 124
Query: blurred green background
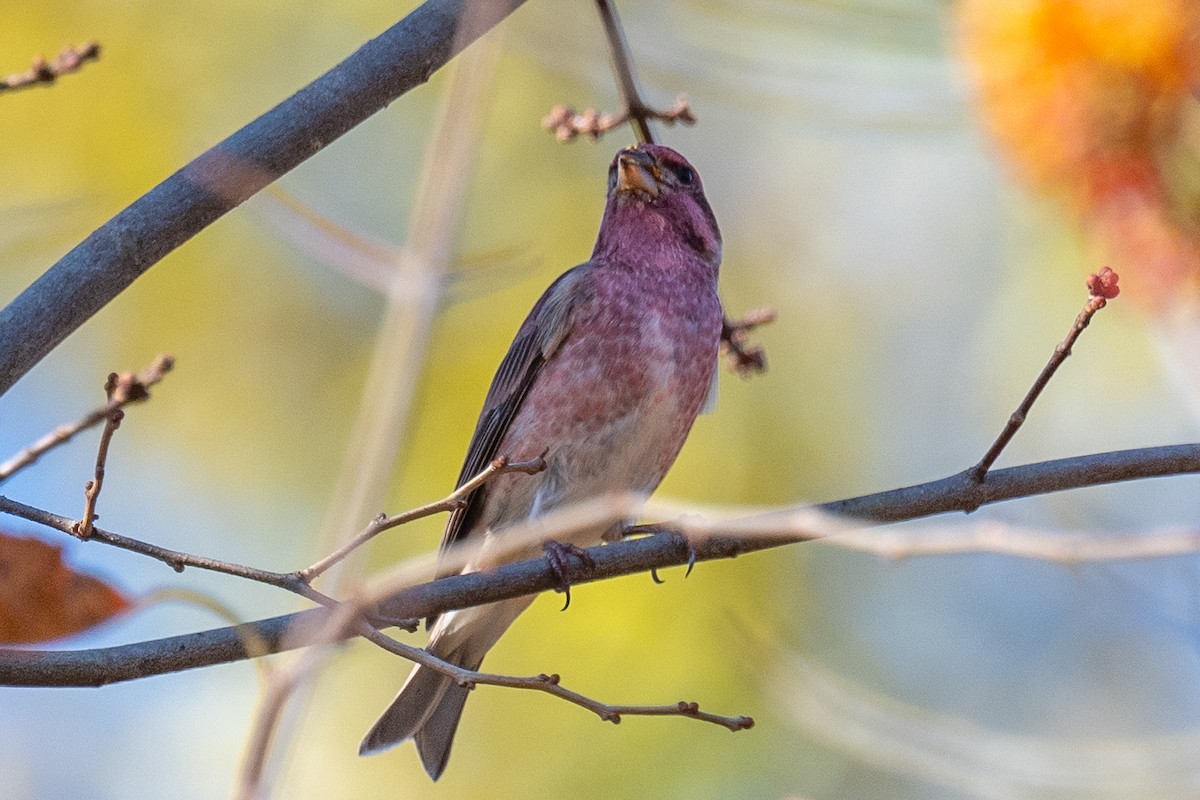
x: 919, y: 291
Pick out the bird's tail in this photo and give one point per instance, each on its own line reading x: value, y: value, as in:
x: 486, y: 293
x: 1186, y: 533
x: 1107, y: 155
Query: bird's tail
x: 427, y: 710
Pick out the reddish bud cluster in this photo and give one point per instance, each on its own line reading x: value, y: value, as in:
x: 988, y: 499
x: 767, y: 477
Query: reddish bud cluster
x: 1104, y: 284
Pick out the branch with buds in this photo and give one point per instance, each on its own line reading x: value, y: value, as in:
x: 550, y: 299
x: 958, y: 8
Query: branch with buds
x: 43, y: 73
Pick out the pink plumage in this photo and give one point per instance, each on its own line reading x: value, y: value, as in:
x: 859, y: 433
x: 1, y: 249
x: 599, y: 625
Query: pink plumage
x: 605, y: 376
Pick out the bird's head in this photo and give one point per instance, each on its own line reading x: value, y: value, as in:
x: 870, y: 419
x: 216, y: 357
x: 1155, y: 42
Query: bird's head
x: 654, y: 193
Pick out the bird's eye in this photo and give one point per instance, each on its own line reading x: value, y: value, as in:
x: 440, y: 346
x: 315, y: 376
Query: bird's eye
x: 686, y: 175
x: 612, y: 177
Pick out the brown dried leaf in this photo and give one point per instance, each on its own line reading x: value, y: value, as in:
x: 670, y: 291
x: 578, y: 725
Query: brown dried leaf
x: 41, y: 598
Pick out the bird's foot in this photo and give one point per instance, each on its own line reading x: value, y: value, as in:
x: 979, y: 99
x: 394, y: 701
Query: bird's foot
x: 687, y: 541
x: 691, y: 548
x: 559, y: 555
x: 663, y: 529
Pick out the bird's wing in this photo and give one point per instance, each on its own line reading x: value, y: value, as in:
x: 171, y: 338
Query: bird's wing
x: 546, y: 327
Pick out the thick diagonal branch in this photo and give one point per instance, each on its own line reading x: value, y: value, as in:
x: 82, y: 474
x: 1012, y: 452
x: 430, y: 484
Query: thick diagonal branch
x: 110, y: 259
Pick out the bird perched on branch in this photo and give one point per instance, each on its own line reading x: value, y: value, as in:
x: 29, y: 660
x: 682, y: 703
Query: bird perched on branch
x: 605, y: 378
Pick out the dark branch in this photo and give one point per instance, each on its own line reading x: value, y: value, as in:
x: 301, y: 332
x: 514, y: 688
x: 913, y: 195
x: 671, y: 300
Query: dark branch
x: 957, y: 493
x: 109, y: 260
x: 127, y: 662
x: 622, y: 64
x: 961, y: 492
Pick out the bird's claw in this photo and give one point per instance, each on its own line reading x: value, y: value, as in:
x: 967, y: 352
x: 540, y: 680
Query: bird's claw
x: 559, y: 555
x: 691, y: 550
x: 660, y: 530
x: 691, y: 555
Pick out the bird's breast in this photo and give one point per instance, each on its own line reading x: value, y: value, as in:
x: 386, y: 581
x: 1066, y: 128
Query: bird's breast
x: 615, y: 403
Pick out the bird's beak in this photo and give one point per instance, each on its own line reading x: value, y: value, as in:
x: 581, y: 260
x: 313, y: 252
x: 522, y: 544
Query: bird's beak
x: 636, y: 172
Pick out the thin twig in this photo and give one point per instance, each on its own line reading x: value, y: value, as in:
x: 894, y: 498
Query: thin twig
x: 623, y: 70
x: 91, y: 492
x: 610, y: 712
x: 1102, y: 287
x: 129, y: 388
x: 499, y: 466
x: 550, y: 685
x: 566, y: 123
x: 745, y: 359
x: 347, y: 618
x: 175, y: 559
x: 117, y: 385
x: 297, y: 582
x: 42, y: 72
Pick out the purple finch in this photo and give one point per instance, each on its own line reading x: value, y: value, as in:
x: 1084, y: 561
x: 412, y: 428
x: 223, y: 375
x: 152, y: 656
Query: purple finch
x: 605, y: 377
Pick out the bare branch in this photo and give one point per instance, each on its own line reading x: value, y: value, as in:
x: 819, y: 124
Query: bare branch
x: 546, y: 683
x: 174, y: 559
x: 121, y: 250
x: 610, y: 712
x: 551, y: 685
x: 452, y: 501
x: 43, y: 73
x: 955, y: 493
x: 128, y: 388
x: 296, y: 582
x: 346, y: 619
x: 623, y: 70
x: 745, y: 359
x: 566, y: 123
x: 106, y: 665
x: 116, y: 386
x: 1102, y: 287
x: 91, y: 492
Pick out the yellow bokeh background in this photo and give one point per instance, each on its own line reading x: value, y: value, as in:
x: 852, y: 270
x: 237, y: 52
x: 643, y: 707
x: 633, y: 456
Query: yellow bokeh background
x: 919, y: 290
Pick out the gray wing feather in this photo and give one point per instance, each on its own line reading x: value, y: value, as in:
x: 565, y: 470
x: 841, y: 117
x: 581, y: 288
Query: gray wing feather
x: 546, y: 327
